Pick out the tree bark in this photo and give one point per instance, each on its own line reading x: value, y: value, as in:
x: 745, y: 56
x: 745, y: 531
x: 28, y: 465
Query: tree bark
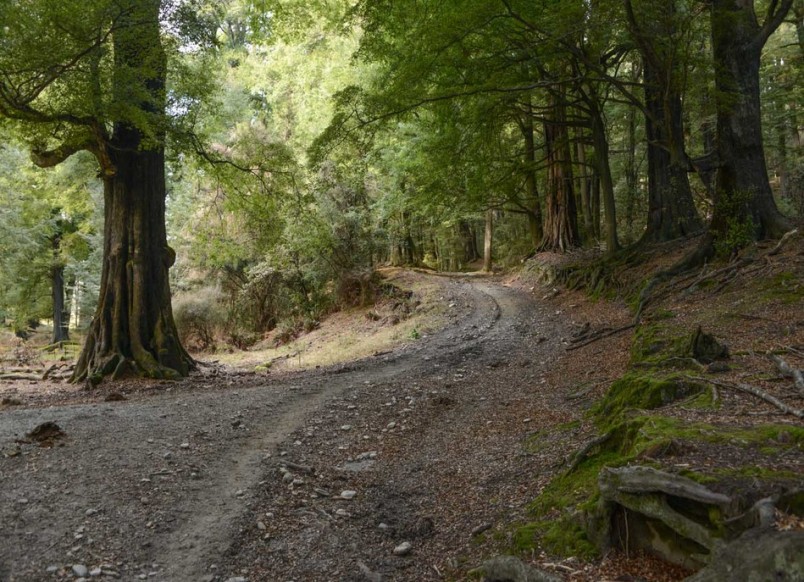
x: 671, y: 209
x: 560, y: 221
x: 743, y: 194
x: 133, y: 326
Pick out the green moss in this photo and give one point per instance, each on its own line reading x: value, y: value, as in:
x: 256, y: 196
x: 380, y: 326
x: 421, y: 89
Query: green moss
x: 785, y: 287
x: 756, y: 472
x: 524, y: 537
x: 657, y: 342
x: 562, y: 537
x: 641, y: 391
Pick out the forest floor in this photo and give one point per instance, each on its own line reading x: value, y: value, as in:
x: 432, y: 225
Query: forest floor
x: 415, y: 462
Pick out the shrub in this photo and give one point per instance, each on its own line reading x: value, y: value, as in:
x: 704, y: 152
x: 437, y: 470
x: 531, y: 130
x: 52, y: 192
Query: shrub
x: 200, y: 317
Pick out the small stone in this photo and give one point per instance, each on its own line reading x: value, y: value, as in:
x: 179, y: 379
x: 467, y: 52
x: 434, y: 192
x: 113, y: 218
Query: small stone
x: 261, y: 526
x: 167, y: 455
x: 287, y: 477
x: 52, y: 569
x: 348, y: 494
x: 185, y: 445
x: 526, y: 420
x: 346, y: 427
x: 236, y: 579
x: 95, y: 572
x: 342, y: 512
x: 22, y: 501
x: 80, y: 570
x: 391, y: 425
x: 403, y: 549
x: 383, y: 526
x: 90, y: 512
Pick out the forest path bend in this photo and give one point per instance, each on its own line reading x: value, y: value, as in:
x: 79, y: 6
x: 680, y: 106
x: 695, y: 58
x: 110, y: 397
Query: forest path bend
x: 161, y: 486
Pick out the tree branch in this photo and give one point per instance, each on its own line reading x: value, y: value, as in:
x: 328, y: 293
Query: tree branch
x: 50, y: 158
x: 773, y: 20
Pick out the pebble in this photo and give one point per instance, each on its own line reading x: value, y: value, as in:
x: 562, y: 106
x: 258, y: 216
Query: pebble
x: 391, y: 425
x: 403, y: 549
x: 90, y: 512
x: 95, y: 572
x: 261, y: 526
x: 52, y: 569
x: 342, y: 512
x: 346, y: 427
x: 348, y: 494
x: 287, y: 477
x: 22, y: 501
x: 185, y: 445
x: 236, y: 579
x: 80, y: 570
x: 383, y: 526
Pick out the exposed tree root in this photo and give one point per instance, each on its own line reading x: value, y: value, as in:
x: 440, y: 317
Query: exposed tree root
x: 788, y: 371
x: 700, y: 256
x: 753, y: 390
x: 579, y: 456
x: 600, y: 334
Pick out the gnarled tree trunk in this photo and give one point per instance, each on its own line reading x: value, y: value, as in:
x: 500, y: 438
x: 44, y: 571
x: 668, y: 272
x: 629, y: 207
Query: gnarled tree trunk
x: 133, y: 327
x: 742, y: 192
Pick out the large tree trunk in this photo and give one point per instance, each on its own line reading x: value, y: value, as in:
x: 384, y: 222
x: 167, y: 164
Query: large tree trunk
x: 133, y: 327
x: 560, y: 221
x: 671, y: 209
x: 743, y: 197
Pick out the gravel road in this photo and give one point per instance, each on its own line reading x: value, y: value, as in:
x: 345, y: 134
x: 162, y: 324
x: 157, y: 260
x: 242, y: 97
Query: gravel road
x: 191, y: 483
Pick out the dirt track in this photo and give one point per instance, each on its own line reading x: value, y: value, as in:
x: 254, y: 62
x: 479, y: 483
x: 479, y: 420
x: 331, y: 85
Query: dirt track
x: 186, y: 484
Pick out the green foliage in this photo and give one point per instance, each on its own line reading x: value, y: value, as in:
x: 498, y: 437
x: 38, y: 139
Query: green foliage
x: 199, y: 318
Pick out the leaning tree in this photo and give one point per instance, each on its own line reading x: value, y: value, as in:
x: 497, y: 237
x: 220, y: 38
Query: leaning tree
x: 91, y: 76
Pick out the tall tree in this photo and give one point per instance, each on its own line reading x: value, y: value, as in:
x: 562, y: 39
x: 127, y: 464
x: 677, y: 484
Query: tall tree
x: 94, y: 79
x: 662, y: 39
x: 744, y: 203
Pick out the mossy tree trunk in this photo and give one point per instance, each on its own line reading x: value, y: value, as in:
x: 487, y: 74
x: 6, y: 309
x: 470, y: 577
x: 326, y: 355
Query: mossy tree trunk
x: 133, y: 327
x: 743, y: 194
